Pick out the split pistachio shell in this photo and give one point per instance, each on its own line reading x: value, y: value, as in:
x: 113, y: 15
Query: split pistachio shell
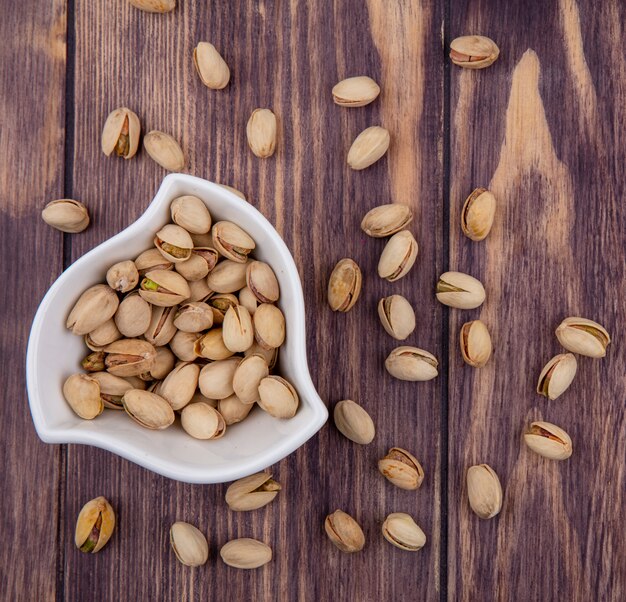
x: 163, y: 365
x: 164, y: 288
x: 154, y: 6
x: 94, y: 526
x: 401, y: 468
x: 397, y: 316
x: 233, y: 410
x: 278, y: 397
x: 232, y: 242
x: 120, y: 134
x: 549, y: 441
x: 82, y: 393
x: 386, y: 220
x: 403, y: 532
x: 355, y: 91
x: 269, y: 326
x: 161, y: 328
x: 261, y: 131
x: 103, y: 335
x: 211, y: 67
x: 189, y: 544
x: 202, y: 421
x: 94, y: 362
x: 211, y: 346
x: 269, y: 355
x: 193, y: 317
x: 220, y: 304
x: 368, y: 147
x: 163, y: 149
x: 112, y: 389
x: 129, y: 357
x: 174, y: 243
x: 93, y: 308
x: 193, y: 268
x: 398, y: 256
x: 216, y: 378
x: 152, y: 259
x: 183, y: 344
x: 148, y: 409
x: 252, y: 493
x: 262, y: 282
x: 190, y: 212
x: 478, y: 213
x: 460, y: 290
x: 583, y: 336
x: 123, y: 276
x: 247, y: 377
x: 473, y: 52
x: 484, y: 491
x: 237, y: 329
x: 66, y: 215
x: 344, y: 285
x: 475, y: 343
x: 180, y: 384
x: 236, y: 192
x: 344, y: 532
x: 248, y: 299
x: 354, y: 422
x: 557, y: 375
x: 227, y: 277
x: 246, y: 553
x: 133, y: 316
x: 411, y: 363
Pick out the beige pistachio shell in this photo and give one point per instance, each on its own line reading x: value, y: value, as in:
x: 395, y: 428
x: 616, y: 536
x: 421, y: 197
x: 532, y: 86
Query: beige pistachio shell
x: 475, y: 343
x: 190, y: 212
x: 129, y: 357
x: 199, y: 398
x: 93, y: 308
x: 354, y: 422
x: 183, y: 344
x: 460, y: 290
x: 269, y: 326
x: 103, y: 335
x: 261, y: 131
x: 233, y: 410
x: 246, y: 553
x: 82, y: 393
x: 249, y: 373
x: 386, y: 220
x: 398, y: 256
x: 161, y: 328
x: 484, y: 491
x: 473, y: 52
x: 355, y: 91
x: 269, y: 355
x: 344, y: 285
x: 120, y: 134
x: 202, y: 421
x: 478, y: 213
x: 193, y: 317
x: 400, y: 530
x: 236, y: 192
x: 231, y: 241
x: 252, y: 493
x: 344, y: 532
x: 152, y: 259
x: 154, y: 6
x: 248, y: 299
x: 199, y: 290
x: 123, y: 276
x: 112, y: 389
x: 148, y: 409
x: 216, y: 378
x: 548, y: 440
x: 411, y: 363
x: 237, y: 329
x: 192, y: 269
x: 402, y: 469
x: 557, y: 375
x: 174, y: 243
x: 180, y: 384
x: 211, y: 67
x: 262, y: 282
x: 397, y: 316
x: 163, y: 365
x: 164, y: 288
x: 94, y: 362
x: 94, y: 526
x: 164, y: 150
x: 368, y: 147
x: 211, y: 346
x: 66, y: 215
x: 220, y: 304
x: 189, y: 544
x: 227, y: 277
x: 583, y: 336
x: 278, y: 397
x: 133, y: 316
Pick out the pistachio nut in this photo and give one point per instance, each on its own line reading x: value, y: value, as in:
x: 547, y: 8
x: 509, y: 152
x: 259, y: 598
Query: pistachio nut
x: 82, y: 393
x: 354, y: 422
x: 232, y: 242
x: 211, y: 346
x: 174, y: 243
x: 66, y: 215
x: 202, y: 421
x: 94, y: 307
x: 549, y: 441
x: 121, y: 133
x: 269, y: 355
x: 344, y: 532
x: 411, y: 363
x: 161, y: 328
x: 475, y: 343
x: 557, y: 375
x: 129, y: 357
x: 195, y: 268
x: 103, y: 335
x: 250, y: 371
x: 459, y: 290
x: 220, y: 304
x: 252, y: 493
x: 152, y: 259
x: 227, y: 277
x: 583, y: 336
x: 398, y: 256
x: 237, y: 329
x: 484, y: 491
x: 386, y: 220
x: 344, y: 285
x: 112, y: 389
x: 94, y: 526
x: 190, y: 212
x: 401, y: 468
x: 262, y: 282
x: 278, y: 397
x: 216, y: 379
x: 183, y: 344
x: 199, y: 290
x: 233, y: 410
x: 269, y: 326
x: 133, y: 316
x: 94, y: 362
x: 478, y: 213
x: 400, y: 530
x: 164, y: 288
x: 248, y: 299
x: 368, y: 147
x: 246, y: 553
x: 189, y: 544
x: 397, y: 316
x: 180, y: 384
x: 193, y: 317
x: 148, y: 409
x: 164, y: 150
x: 473, y: 52
x: 163, y: 365
x: 261, y: 132
x: 211, y: 67
x: 355, y: 91
x: 154, y: 6
x: 236, y: 192
x: 123, y: 276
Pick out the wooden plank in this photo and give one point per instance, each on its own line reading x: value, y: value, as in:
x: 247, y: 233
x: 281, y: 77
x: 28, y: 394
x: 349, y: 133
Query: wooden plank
x: 541, y: 128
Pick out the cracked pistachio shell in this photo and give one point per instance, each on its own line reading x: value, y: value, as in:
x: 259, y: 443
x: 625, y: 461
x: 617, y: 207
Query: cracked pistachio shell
x: 211, y: 346
x: 154, y: 6
x: 66, y: 215
x: 220, y: 304
x: 112, y: 389
x: 368, y: 147
x: 189, y: 544
x: 133, y: 316
x: 163, y: 365
x: 120, y: 134
x: 460, y: 290
x: 246, y: 553
x: 180, y: 384
x: 386, y: 220
x: 148, y: 409
x: 278, y: 397
x: 269, y: 355
x: 484, y: 491
x: 211, y: 67
x: 233, y: 410
x: 397, y: 316
x: 183, y: 344
x: 227, y: 277
x: 216, y: 378
x: 398, y: 256
x: 549, y: 441
x: 164, y: 288
x: 344, y: 285
x: 355, y: 91
x: 473, y: 52
x: 193, y: 269
x: 123, y: 276
x: 199, y: 290
x: 344, y: 532
x: 231, y: 241
x: 248, y: 375
x: 129, y: 357
x: 478, y: 213
x: 193, y: 317
x: 236, y: 192
x: 103, y: 335
x: 475, y: 343
x: 237, y: 329
x: 411, y: 363
x: 262, y: 282
x: 161, y: 328
x: 403, y: 532
x: 402, y: 469
x: 557, y: 375
x: 94, y: 307
x: 94, y: 362
x: 583, y: 336
x: 248, y: 299
x: 174, y: 243
x: 202, y: 421
x: 261, y: 132
x: 94, y: 526
x: 252, y: 493
x: 354, y: 422
x: 164, y: 150
x: 82, y: 393
x: 269, y: 326
x: 190, y: 212
x: 152, y: 259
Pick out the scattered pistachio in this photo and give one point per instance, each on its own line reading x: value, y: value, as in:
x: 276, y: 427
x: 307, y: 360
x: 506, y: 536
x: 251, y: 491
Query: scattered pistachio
x: 163, y: 149
x: 475, y: 343
x: 94, y: 526
x: 549, y: 441
x: 211, y: 67
x: 583, y: 336
x: 66, y: 215
x: 120, y: 134
x: 401, y: 468
x: 344, y: 285
x: 557, y: 375
x: 460, y: 290
x: 478, y: 213
x: 473, y: 52
x: 411, y: 363
x: 252, y: 493
x: 344, y: 532
x: 484, y: 491
x: 368, y: 147
x: 403, y: 532
x: 355, y: 91
x: 386, y: 220
x: 246, y: 553
x: 189, y: 544
x: 354, y: 422
x: 261, y: 132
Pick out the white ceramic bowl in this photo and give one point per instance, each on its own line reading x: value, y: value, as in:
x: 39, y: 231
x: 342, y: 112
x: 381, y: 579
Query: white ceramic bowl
x: 54, y: 353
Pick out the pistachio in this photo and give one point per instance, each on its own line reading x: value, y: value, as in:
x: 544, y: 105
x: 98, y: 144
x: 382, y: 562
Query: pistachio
x: 261, y: 132
x: 549, y: 441
x: 248, y: 299
x: 154, y: 6
x: 557, y: 375
x: 66, y: 215
x: 164, y: 150
x: 202, y: 421
x: 183, y: 344
x: 211, y: 346
x: 236, y: 192
x: 398, y: 256
x: 220, y: 304
x: 174, y: 243
x: 368, y: 147
x: 475, y: 343
x: 269, y: 326
x: 411, y: 363
x: 473, y: 52
x: 269, y: 355
x: 354, y: 422
x: 232, y: 242
x: 180, y: 384
x: 194, y: 268
x: 94, y: 307
x: 583, y: 336
x: 193, y: 317
x: 103, y: 335
x: 484, y: 491
x: 355, y: 91
x: 252, y: 493
x: 135, y: 381
x: 161, y: 328
x: 82, y: 393
x: 233, y: 410
x: 386, y: 220
x: 401, y: 468
x: 403, y: 532
x: 478, y: 213
x: 249, y: 373
x: 94, y: 526
x: 133, y: 316
x: 237, y: 330
x: 152, y: 259
x: 344, y: 285
x: 129, y: 357
x: 278, y: 397
x: 397, y: 316
x: 246, y: 553
x: 148, y: 409
x: 112, y: 389
x: 163, y: 365
x: 164, y: 288
x: 123, y: 276
x: 199, y: 398
x: 189, y: 544
x: 121, y: 133
x: 199, y: 290
x: 459, y: 290
x: 211, y: 67
x: 344, y: 532
x: 190, y: 212
x: 94, y: 362
x: 262, y: 282
x: 227, y: 277
x: 216, y: 378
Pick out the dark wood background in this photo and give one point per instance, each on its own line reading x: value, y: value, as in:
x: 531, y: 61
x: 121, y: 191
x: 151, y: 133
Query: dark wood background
x: 543, y: 127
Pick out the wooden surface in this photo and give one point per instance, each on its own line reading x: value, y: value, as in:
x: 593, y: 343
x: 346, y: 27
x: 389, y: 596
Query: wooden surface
x: 543, y: 128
